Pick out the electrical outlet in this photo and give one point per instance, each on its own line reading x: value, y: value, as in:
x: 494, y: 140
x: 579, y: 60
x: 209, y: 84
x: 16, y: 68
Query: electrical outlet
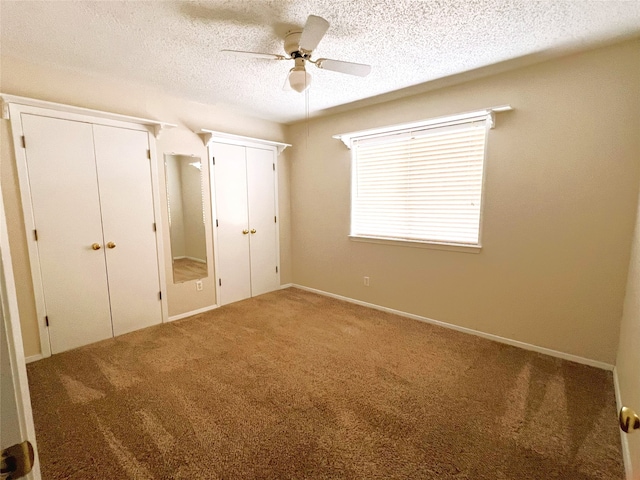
x: 199, y: 285
x: 366, y: 281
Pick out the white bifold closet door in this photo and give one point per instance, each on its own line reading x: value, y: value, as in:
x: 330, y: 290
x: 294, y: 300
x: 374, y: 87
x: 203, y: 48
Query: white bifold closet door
x: 262, y: 216
x: 91, y: 185
x: 126, y: 199
x: 247, y: 232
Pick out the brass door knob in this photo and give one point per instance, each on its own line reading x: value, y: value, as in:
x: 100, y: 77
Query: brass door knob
x: 629, y: 420
x: 17, y: 460
x: 245, y: 231
x: 253, y: 230
x: 111, y: 245
x: 96, y: 246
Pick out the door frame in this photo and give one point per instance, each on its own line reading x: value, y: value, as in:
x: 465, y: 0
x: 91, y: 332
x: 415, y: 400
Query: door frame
x: 209, y: 137
x: 11, y: 320
x: 13, y: 111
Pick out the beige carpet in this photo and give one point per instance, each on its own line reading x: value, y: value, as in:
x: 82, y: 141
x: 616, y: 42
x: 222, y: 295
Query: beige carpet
x: 292, y: 385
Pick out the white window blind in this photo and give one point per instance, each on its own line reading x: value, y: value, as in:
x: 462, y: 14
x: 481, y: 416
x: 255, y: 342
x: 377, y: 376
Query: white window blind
x: 420, y: 184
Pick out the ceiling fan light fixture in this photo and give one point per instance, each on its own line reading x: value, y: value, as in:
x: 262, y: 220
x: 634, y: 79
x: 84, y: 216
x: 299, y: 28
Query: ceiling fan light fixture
x: 299, y: 46
x: 299, y: 79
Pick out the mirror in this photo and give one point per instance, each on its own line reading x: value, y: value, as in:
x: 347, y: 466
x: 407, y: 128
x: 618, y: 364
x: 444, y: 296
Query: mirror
x: 185, y: 198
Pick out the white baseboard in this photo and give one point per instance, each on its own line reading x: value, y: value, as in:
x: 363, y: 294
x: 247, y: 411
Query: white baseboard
x: 626, y: 452
x: 287, y: 285
x: 33, y: 358
x: 489, y: 336
x: 191, y: 313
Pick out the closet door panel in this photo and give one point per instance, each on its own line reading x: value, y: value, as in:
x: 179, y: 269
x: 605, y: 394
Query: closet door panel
x: 126, y: 197
x: 262, y: 210
x: 230, y: 176
x: 66, y: 208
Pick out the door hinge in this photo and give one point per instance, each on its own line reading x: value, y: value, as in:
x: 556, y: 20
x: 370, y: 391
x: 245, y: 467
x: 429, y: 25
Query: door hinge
x: 155, y: 229
x: 213, y: 160
x: 46, y: 320
x: 24, y: 142
x: 149, y: 154
x: 276, y: 269
x: 160, y: 295
x: 216, y: 222
x: 220, y: 281
x: 35, y: 235
x: 275, y: 219
x: 274, y: 167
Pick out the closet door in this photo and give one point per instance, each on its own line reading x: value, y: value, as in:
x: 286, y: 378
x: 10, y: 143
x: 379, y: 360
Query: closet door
x: 126, y: 198
x: 234, y: 268
x: 66, y: 208
x: 263, y: 227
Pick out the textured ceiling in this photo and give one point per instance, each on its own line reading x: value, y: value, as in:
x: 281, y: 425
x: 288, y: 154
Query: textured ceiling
x: 176, y: 46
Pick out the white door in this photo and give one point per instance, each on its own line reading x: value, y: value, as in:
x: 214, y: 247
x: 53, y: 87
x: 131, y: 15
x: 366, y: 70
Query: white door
x: 16, y: 419
x: 126, y: 199
x: 628, y: 358
x: 230, y: 179
x: 262, y: 221
x: 246, y: 216
x: 66, y: 209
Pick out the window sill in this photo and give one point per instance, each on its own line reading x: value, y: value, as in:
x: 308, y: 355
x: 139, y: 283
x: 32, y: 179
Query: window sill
x: 452, y: 247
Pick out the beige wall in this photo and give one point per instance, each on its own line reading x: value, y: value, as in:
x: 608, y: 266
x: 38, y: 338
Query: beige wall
x: 628, y: 361
x: 74, y: 88
x: 561, y: 192
x: 284, y: 216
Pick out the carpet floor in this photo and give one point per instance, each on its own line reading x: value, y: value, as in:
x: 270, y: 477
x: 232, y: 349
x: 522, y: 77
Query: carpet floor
x: 293, y: 385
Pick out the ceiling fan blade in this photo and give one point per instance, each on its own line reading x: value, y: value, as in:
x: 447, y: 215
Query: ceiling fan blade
x: 359, y: 69
x: 268, y: 56
x: 313, y: 31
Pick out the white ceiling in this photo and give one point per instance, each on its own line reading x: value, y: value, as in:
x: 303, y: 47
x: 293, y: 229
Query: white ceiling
x: 176, y: 45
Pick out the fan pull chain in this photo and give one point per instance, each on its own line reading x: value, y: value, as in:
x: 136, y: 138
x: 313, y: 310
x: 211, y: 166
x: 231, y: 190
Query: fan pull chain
x: 306, y: 108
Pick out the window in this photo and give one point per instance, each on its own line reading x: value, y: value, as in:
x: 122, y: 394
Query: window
x: 420, y: 183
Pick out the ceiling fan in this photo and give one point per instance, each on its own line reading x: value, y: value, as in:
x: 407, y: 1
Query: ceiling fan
x: 299, y: 46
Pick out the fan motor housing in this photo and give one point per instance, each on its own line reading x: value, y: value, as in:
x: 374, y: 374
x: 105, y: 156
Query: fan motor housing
x: 292, y: 44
